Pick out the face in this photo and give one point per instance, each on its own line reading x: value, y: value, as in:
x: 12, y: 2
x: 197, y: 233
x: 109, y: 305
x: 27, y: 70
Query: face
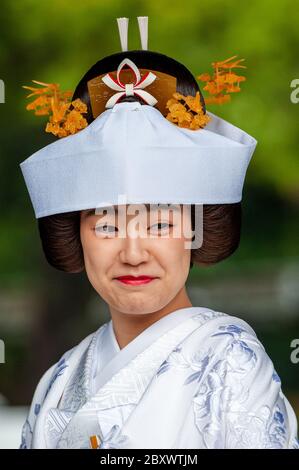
x: 136, y: 240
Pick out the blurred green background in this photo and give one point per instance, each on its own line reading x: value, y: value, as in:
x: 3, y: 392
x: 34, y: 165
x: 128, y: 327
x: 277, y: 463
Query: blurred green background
x: 44, y: 312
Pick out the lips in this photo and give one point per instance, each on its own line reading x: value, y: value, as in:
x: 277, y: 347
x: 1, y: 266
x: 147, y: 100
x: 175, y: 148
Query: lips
x: 135, y: 280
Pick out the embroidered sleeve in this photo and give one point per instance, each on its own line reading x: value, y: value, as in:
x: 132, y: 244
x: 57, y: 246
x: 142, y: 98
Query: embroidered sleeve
x: 38, y: 397
x: 41, y: 391
x: 242, y: 396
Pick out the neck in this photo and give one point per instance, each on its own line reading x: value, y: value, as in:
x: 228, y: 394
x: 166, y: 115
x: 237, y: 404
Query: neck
x: 127, y: 326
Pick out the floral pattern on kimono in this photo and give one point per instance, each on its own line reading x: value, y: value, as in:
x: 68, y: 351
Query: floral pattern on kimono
x: 224, y: 393
x: 241, y: 404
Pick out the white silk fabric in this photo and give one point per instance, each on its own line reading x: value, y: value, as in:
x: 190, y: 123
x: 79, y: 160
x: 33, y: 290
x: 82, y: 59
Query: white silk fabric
x: 132, y: 154
x: 195, y: 379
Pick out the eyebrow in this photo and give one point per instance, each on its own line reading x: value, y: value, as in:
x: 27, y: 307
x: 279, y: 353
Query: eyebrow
x: 162, y: 207
x: 90, y: 212
x: 93, y: 211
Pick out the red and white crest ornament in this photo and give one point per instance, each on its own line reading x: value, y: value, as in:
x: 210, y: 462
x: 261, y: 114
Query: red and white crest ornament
x: 129, y: 89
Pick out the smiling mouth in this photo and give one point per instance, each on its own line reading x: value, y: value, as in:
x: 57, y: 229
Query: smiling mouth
x: 135, y: 281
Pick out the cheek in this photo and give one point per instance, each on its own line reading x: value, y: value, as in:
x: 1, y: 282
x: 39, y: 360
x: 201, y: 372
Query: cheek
x: 182, y: 253
x: 93, y: 257
x: 173, y: 254
x: 95, y: 251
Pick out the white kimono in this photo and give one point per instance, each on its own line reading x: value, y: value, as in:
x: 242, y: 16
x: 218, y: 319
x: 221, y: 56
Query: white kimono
x: 195, y: 379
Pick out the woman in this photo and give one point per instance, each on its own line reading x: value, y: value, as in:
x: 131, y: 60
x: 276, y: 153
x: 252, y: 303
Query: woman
x: 161, y: 373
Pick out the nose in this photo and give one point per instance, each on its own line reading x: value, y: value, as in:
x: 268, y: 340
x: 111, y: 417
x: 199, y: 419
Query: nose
x: 134, y: 251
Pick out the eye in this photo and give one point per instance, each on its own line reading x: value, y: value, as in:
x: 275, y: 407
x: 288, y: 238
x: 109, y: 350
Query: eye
x: 160, y: 224
x: 104, y: 228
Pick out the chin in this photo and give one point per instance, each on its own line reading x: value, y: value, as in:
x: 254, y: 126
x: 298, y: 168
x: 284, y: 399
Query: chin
x: 137, y: 309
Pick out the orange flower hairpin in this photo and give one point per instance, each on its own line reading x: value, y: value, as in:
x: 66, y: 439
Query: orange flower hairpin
x: 223, y: 81
x: 184, y: 111
x: 65, y: 115
x: 187, y: 111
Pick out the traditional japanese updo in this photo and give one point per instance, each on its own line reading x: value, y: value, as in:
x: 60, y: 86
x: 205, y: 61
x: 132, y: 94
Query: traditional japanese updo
x: 60, y: 233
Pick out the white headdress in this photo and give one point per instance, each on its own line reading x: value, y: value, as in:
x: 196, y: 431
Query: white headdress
x: 132, y: 154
